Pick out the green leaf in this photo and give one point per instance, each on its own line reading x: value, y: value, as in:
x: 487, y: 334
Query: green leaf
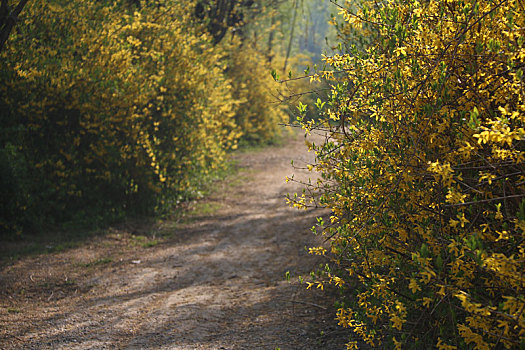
x: 275, y: 76
x: 302, y: 107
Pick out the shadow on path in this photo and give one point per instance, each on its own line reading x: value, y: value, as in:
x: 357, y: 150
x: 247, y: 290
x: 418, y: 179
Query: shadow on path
x: 217, y: 284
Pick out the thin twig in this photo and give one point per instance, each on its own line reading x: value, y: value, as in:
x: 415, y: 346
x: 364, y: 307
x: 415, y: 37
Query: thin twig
x: 303, y: 302
x: 483, y: 201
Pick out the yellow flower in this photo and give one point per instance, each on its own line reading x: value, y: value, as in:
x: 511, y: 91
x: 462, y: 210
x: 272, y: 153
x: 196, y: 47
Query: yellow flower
x: 397, y: 322
x: 413, y: 285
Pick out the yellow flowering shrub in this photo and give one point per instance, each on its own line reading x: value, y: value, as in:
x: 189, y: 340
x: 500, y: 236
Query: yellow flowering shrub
x: 110, y: 108
x: 423, y: 169
x: 258, y: 115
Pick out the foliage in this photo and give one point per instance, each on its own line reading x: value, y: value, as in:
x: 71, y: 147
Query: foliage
x: 222, y: 16
x: 257, y: 114
x: 108, y: 108
x: 423, y: 169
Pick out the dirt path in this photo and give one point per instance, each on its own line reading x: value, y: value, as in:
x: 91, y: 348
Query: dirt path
x: 216, y: 283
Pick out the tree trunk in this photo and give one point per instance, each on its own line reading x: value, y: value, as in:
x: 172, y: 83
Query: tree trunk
x: 8, y: 20
x: 289, y: 49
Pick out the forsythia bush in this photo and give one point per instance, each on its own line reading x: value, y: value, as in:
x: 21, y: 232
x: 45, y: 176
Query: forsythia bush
x: 424, y: 171
x: 108, y: 108
x: 258, y: 113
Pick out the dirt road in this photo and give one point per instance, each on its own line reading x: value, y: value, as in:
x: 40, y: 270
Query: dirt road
x: 213, y: 282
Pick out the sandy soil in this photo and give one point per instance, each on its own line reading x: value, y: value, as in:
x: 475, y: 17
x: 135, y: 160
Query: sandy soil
x: 216, y: 282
